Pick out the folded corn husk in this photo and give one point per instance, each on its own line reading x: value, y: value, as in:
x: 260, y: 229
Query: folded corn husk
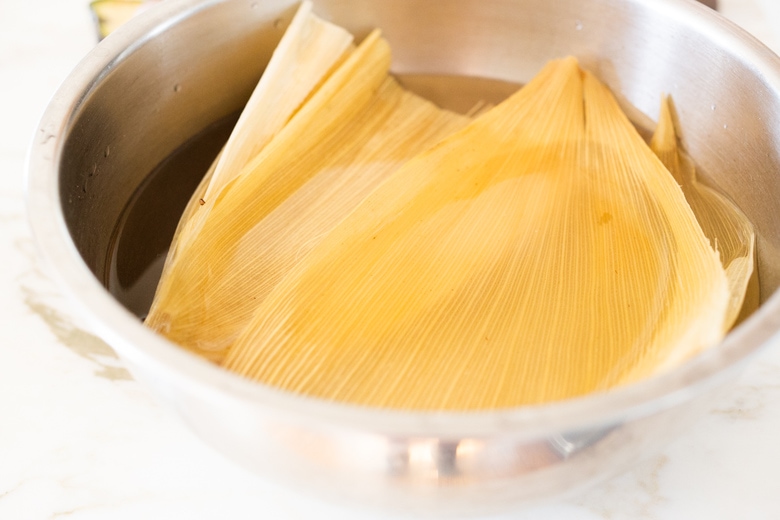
x: 307, y: 54
x: 352, y: 132
x: 309, y: 51
x: 541, y: 253
x: 728, y: 229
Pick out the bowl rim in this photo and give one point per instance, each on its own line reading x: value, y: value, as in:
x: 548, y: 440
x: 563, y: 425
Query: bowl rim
x: 164, y: 360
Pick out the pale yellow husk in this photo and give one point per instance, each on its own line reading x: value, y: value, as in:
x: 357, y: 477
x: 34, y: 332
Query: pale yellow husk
x: 308, y: 51
x: 307, y: 54
x: 728, y: 229
x: 355, y: 130
x: 541, y: 253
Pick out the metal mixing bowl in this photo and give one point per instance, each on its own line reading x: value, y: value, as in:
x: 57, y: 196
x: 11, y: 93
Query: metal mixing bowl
x: 162, y: 78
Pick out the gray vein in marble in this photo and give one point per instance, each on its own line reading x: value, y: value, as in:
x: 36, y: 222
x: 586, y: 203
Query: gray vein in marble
x: 11, y: 491
x: 649, y: 484
x: 79, y: 341
x: 643, y: 494
x: 750, y: 401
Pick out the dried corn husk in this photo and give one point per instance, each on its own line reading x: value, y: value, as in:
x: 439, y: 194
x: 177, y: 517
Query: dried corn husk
x: 354, y: 131
x: 309, y: 51
x: 541, y: 253
x: 728, y: 229
x: 307, y: 54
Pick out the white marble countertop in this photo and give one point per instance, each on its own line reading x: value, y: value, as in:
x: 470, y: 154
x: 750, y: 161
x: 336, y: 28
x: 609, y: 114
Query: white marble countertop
x: 79, y: 439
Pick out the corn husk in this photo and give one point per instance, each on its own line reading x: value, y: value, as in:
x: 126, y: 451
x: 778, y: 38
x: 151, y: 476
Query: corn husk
x: 307, y: 54
x: 309, y: 51
x: 728, y: 229
x: 541, y: 253
x: 355, y: 130
x: 109, y: 15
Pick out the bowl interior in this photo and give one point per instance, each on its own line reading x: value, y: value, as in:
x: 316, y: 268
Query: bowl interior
x: 184, y: 80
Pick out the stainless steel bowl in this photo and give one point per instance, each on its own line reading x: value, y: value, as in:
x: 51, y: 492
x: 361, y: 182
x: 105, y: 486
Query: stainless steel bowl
x: 149, y: 87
